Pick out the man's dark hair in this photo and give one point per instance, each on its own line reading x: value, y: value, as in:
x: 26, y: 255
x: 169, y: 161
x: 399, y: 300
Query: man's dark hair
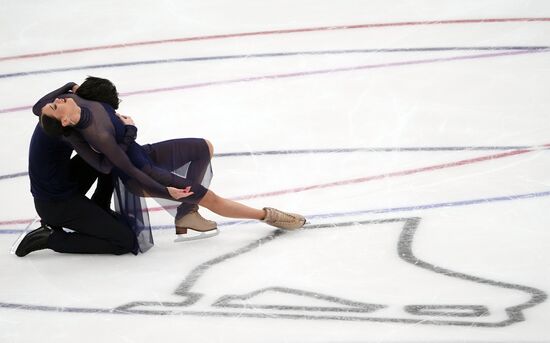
x: 52, y: 127
x: 98, y: 89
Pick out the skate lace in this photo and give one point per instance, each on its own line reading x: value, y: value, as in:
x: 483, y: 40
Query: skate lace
x: 279, y: 216
x: 201, y: 217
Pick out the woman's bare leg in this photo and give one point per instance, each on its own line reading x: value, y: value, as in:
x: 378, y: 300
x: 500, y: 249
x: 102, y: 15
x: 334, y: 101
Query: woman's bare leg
x: 229, y: 208
x: 225, y: 207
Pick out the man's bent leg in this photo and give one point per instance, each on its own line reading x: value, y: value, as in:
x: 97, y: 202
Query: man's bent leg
x: 96, y: 232
x: 85, y: 177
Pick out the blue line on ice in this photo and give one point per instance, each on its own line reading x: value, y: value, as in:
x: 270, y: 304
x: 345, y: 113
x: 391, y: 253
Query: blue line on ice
x: 370, y: 211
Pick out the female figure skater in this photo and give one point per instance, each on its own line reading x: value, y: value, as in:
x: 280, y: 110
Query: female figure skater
x: 150, y: 170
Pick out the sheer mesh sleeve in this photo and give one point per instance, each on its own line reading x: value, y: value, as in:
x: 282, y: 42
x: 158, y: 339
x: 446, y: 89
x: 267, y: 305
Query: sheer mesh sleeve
x: 98, y: 161
x: 37, y: 108
x: 99, y: 132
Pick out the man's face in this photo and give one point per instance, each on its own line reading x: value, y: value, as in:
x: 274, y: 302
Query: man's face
x: 60, y: 109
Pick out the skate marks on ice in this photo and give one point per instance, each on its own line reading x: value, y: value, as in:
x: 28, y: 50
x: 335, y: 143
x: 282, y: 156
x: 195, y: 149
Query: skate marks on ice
x: 321, y: 273
x: 322, y: 286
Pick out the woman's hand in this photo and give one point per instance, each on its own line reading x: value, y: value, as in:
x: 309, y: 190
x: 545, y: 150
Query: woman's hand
x: 127, y: 120
x: 75, y: 87
x: 177, y: 193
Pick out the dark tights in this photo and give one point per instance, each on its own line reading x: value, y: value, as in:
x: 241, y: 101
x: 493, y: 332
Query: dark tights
x: 180, y: 163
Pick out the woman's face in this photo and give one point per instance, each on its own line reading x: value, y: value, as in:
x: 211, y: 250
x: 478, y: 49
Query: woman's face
x: 60, y: 109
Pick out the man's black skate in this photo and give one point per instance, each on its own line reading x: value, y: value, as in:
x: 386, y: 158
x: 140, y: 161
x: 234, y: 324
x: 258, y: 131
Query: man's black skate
x: 35, y: 240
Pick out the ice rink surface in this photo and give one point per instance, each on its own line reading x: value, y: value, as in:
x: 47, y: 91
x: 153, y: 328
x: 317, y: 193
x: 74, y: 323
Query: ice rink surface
x: 412, y: 134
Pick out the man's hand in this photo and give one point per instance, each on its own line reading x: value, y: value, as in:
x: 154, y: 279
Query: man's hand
x: 75, y: 87
x: 177, y: 193
x: 127, y: 120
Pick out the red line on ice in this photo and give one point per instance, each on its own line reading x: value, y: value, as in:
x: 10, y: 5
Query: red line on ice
x: 273, y: 32
x: 358, y: 180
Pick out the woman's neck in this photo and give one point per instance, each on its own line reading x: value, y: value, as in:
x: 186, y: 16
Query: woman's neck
x: 75, y: 116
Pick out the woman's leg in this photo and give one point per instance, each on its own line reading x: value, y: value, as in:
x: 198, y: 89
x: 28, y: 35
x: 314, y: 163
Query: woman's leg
x: 271, y: 216
x: 176, y: 153
x: 195, y: 153
x: 172, y: 154
x: 229, y: 208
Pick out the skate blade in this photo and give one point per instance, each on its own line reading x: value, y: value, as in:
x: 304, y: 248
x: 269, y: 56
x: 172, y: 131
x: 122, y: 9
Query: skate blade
x: 199, y: 235
x: 23, y: 234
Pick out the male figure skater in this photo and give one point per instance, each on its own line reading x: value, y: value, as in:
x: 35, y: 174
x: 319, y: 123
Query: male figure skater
x: 58, y: 186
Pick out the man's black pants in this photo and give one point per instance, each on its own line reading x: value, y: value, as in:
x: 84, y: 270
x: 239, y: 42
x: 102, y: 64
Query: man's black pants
x: 96, y: 230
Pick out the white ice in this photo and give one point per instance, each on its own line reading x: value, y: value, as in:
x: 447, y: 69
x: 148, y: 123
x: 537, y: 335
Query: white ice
x: 423, y: 174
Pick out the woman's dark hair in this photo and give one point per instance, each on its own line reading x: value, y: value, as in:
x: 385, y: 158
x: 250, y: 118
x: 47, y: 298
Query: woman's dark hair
x: 52, y: 127
x: 98, y: 89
